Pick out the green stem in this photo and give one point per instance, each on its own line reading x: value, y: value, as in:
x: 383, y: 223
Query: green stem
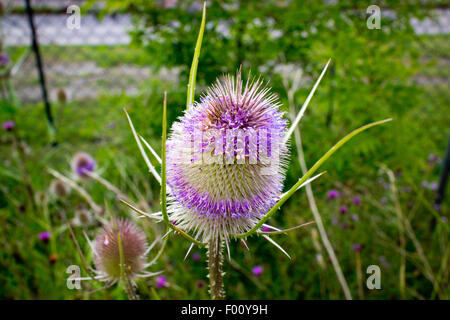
x: 215, y: 259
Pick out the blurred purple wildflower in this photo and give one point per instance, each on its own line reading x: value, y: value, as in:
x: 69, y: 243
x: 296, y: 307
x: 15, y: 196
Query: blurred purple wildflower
x: 257, y: 270
x: 4, y: 59
x: 343, y: 209
x: 343, y: 225
x: 8, y: 125
x: 44, y: 236
x: 196, y: 256
x: 384, y: 262
x: 434, y: 186
x: 161, y: 282
x: 265, y: 229
x: 356, y: 200
x: 333, y: 194
x: 357, y: 247
x: 334, y: 221
x: 200, y: 284
x: 384, y: 200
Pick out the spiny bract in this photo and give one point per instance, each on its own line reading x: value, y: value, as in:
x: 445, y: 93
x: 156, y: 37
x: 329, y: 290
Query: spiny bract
x: 226, y: 159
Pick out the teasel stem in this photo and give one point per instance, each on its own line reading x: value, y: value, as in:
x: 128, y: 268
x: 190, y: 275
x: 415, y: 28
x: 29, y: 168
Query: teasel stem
x: 215, y: 261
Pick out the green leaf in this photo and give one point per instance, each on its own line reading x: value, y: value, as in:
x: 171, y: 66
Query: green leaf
x: 164, y: 179
x: 307, y: 175
x: 193, y: 72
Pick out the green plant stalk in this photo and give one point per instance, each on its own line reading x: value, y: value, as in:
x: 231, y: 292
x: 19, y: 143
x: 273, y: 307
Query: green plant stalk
x: 128, y: 287
x: 359, y: 275
x: 215, y: 273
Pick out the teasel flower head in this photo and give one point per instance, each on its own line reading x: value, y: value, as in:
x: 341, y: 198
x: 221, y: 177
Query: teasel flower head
x: 83, y: 217
x: 107, y: 252
x: 226, y: 159
x: 82, y: 164
x: 59, y: 189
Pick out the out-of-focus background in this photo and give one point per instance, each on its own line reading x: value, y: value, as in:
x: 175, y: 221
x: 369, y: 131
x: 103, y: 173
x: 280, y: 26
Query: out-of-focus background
x: 381, y: 200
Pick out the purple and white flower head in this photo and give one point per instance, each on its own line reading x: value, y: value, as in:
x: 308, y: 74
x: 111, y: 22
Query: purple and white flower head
x: 107, y: 253
x: 226, y: 159
x: 82, y: 164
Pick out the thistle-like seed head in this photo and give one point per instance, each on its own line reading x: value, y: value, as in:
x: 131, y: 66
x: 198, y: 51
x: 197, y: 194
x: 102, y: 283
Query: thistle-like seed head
x: 59, y: 189
x: 107, y: 253
x: 226, y: 159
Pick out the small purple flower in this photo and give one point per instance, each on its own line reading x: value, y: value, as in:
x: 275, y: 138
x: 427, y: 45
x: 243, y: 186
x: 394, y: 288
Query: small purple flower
x: 434, y: 186
x: 4, y: 59
x: 196, y: 256
x: 333, y: 194
x: 384, y: 262
x: 444, y: 219
x: 44, y: 236
x: 257, y: 270
x: 434, y: 159
x: 200, y: 284
x: 265, y: 229
x: 384, y: 200
x: 82, y: 163
x: 356, y: 200
x: 424, y: 184
x: 343, y: 209
x: 437, y: 206
x: 343, y: 226
x: 407, y: 189
x: 334, y: 221
x: 8, y: 125
x: 161, y: 282
x: 357, y: 247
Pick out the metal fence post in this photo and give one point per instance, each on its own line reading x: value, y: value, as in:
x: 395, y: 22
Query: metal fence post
x: 35, y: 46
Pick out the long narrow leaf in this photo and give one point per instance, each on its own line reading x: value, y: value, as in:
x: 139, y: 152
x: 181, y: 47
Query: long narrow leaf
x: 144, y: 155
x: 305, y: 105
x: 164, y: 179
x: 308, y: 174
x: 149, y: 147
x: 193, y: 72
